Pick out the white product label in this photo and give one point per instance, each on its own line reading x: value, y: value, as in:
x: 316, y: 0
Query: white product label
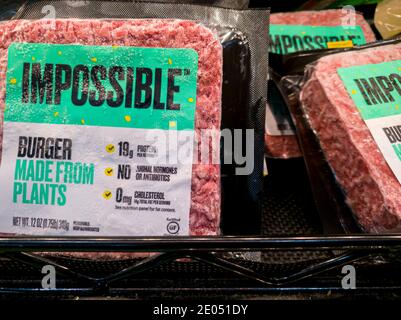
x: 387, y: 134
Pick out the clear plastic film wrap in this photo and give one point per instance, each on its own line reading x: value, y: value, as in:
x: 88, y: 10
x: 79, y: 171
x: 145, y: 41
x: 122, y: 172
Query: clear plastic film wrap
x: 280, y: 137
x: 9, y: 9
x: 233, y: 4
x: 354, y: 187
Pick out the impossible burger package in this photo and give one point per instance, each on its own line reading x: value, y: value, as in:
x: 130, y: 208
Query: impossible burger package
x: 298, y: 32
x: 346, y: 110
x: 113, y: 114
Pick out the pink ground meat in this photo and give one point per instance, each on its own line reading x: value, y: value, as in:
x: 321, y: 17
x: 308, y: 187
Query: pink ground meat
x: 287, y: 146
x: 372, y: 190
x: 283, y: 147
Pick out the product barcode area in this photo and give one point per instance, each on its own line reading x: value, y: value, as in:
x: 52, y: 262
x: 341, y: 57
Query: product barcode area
x: 41, y: 223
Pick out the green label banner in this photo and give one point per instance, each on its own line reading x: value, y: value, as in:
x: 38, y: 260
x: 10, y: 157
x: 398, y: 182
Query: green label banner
x: 374, y: 88
x: 293, y: 38
x: 131, y: 87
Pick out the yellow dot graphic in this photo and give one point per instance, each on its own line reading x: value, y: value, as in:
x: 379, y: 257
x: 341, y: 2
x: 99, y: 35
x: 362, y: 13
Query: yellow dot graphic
x: 399, y: 69
x: 83, y: 121
x: 170, y: 61
x: 107, y: 195
x: 33, y: 58
x: 59, y: 53
x: 94, y: 59
x: 303, y: 32
x: 108, y: 172
x: 172, y: 124
x: 190, y: 100
x: 397, y: 107
x: 353, y: 91
x: 110, y: 148
x: 13, y: 81
x: 115, y: 47
x: 56, y: 114
x: 127, y: 118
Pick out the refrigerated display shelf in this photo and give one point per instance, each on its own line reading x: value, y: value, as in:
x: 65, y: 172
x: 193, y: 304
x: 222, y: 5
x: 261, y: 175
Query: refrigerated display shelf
x: 291, y: 258
x: 202, y: 266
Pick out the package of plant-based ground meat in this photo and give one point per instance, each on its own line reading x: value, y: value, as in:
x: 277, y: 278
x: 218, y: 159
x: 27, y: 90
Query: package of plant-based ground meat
x: 345, y: 108
x: 132, y: 119
x: 296, y: 32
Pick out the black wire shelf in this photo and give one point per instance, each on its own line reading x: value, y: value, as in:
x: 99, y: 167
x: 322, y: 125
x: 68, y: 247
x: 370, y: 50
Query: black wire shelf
x: 201, y: 267
x: 383, y: 242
